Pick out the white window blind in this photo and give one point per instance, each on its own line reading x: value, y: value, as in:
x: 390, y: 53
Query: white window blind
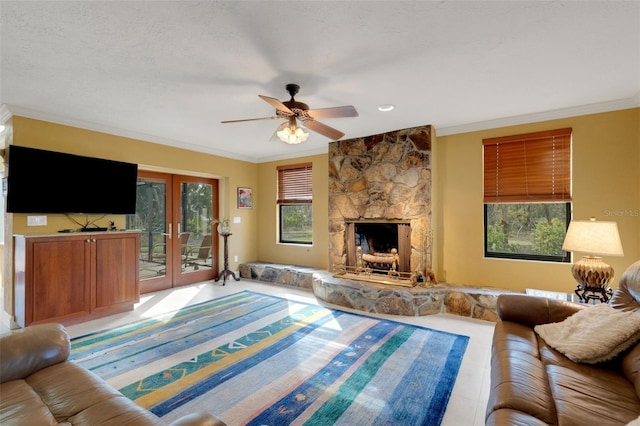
x: 294, y: 184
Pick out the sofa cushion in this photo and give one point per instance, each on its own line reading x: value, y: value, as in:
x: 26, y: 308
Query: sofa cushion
x: 593, y: 335
x: 31, y: 349
x: 631, y: 367
x: 512, y: 418
x: 594, y: 396
x: 519, y: 382
x: 21, y: 405
x: 116, y: 411
x: 514, y: 337
x: 72, y: 392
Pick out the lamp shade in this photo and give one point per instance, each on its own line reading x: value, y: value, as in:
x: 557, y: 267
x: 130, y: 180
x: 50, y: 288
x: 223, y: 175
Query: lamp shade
x: 593, y: 238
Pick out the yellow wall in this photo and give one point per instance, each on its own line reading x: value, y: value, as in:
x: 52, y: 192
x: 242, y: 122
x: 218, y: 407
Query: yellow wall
x: 231, y: 173
x: 606, y: 185
x: 269, y: 250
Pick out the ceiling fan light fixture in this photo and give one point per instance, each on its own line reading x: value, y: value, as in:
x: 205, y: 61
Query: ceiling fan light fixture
x: 292, y: 134
x: 289, y: 132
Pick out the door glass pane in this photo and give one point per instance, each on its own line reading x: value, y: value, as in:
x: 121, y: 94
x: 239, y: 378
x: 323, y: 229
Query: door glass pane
x: 150, y: 219
x: 196, y: 226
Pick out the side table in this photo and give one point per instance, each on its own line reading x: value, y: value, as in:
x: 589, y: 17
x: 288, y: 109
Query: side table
x: 226, y: 272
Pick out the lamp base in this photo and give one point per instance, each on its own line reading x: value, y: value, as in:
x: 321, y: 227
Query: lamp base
x: 593, y: 276
x: 585, y: 294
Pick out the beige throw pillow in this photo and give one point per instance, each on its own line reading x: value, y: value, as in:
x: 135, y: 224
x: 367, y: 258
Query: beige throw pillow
x: 593, y: 335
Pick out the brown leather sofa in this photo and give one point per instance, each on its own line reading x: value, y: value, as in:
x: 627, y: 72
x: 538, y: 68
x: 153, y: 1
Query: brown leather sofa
x: 533, y: 384
x: 39, y: 386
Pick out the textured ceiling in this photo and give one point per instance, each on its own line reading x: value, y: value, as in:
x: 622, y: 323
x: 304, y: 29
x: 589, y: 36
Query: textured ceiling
x: 169, y: 72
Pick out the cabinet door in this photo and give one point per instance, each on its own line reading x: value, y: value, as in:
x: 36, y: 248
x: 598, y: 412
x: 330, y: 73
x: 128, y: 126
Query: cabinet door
x: 59, y: 279
x: 116, y: 273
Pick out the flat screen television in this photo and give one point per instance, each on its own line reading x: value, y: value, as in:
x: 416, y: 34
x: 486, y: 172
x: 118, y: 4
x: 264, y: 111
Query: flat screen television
x: 42, y: 181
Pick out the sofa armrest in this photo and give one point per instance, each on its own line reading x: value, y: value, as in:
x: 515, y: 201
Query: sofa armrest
x: 534, y: 310
x: 198, y: 419
x: 30, y: 349
x: 627, y: 295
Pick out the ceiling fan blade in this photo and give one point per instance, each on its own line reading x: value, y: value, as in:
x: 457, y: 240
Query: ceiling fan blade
x: 323, y: 129
x: 276, y: 104
x: 251, y: 119
x: 336, y: 112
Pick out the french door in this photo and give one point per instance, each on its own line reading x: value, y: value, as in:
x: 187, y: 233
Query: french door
x: 178, y: 242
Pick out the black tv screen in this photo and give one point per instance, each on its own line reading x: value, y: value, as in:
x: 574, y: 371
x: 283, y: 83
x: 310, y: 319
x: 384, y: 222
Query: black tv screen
x: 42, y: 181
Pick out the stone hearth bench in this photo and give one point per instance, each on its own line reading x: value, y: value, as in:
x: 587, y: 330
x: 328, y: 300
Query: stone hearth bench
x: 466, y: 301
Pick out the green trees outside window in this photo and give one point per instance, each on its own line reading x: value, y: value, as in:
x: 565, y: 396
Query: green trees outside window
x: 296, y: 223
x: 526, y: 230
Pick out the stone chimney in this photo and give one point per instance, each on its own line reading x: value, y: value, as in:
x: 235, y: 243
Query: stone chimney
x: 384, y: 178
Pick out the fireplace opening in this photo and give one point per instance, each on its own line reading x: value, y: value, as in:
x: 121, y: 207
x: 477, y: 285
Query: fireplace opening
x: 380, y: 246
x: 376, y: 237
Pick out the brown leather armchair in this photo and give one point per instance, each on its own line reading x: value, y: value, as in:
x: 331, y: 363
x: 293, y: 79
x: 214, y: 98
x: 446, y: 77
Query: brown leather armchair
x: 533, y: 384
x: 38, y: 385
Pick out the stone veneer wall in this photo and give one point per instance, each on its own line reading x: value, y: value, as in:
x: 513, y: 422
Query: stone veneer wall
x: 382, y: 177
x: 471, y: 302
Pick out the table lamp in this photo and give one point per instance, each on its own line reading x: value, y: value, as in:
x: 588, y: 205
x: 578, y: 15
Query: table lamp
x: 595, y: 239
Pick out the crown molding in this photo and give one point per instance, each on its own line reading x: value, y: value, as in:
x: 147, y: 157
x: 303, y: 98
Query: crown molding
x: 596, y: 108
x: 7, y: 111
x: 52, y: 118
x: 292, y: 155
x: 5, y: 114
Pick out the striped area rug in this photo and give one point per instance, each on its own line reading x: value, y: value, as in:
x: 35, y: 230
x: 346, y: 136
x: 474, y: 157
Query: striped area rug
x: 254, y: 359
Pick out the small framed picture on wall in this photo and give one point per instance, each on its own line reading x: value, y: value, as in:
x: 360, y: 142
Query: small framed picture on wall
x: 245, y: 198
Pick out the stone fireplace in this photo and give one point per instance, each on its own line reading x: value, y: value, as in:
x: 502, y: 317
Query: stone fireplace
x: 380, y: 193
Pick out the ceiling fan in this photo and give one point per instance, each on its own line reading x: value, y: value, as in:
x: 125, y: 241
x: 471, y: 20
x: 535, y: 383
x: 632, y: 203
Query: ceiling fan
x: 292, y: 110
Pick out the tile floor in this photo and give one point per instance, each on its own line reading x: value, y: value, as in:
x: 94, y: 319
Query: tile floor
x: 470, y: 393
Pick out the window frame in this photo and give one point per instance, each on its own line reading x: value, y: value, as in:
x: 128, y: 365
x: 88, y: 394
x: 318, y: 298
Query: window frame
x: 297, y: 191
x: 282, y: 240
x: 531, y: 168
x: 524, y: 256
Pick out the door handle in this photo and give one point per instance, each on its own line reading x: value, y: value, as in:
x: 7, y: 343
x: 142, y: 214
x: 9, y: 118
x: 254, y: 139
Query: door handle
x: 168, y: 234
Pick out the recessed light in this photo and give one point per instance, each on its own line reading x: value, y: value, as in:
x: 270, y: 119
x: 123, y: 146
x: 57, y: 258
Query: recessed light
x: 386, y: 108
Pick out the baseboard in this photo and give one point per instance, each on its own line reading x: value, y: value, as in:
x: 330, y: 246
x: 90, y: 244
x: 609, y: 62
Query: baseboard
x: 8, y: 320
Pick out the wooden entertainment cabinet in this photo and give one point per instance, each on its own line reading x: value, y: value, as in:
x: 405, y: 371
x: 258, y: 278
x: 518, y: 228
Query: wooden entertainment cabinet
x: 75, y: 277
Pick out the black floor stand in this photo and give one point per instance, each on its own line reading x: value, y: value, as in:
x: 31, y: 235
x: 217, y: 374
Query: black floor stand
x: 226, y: 272
x: 587, y: 293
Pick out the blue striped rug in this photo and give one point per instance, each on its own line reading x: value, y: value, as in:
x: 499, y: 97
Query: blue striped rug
x: 254, y: 359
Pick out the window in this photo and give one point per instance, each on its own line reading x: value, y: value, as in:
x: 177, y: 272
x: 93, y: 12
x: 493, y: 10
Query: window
x: 527, y: 195
x: 295, y: 204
